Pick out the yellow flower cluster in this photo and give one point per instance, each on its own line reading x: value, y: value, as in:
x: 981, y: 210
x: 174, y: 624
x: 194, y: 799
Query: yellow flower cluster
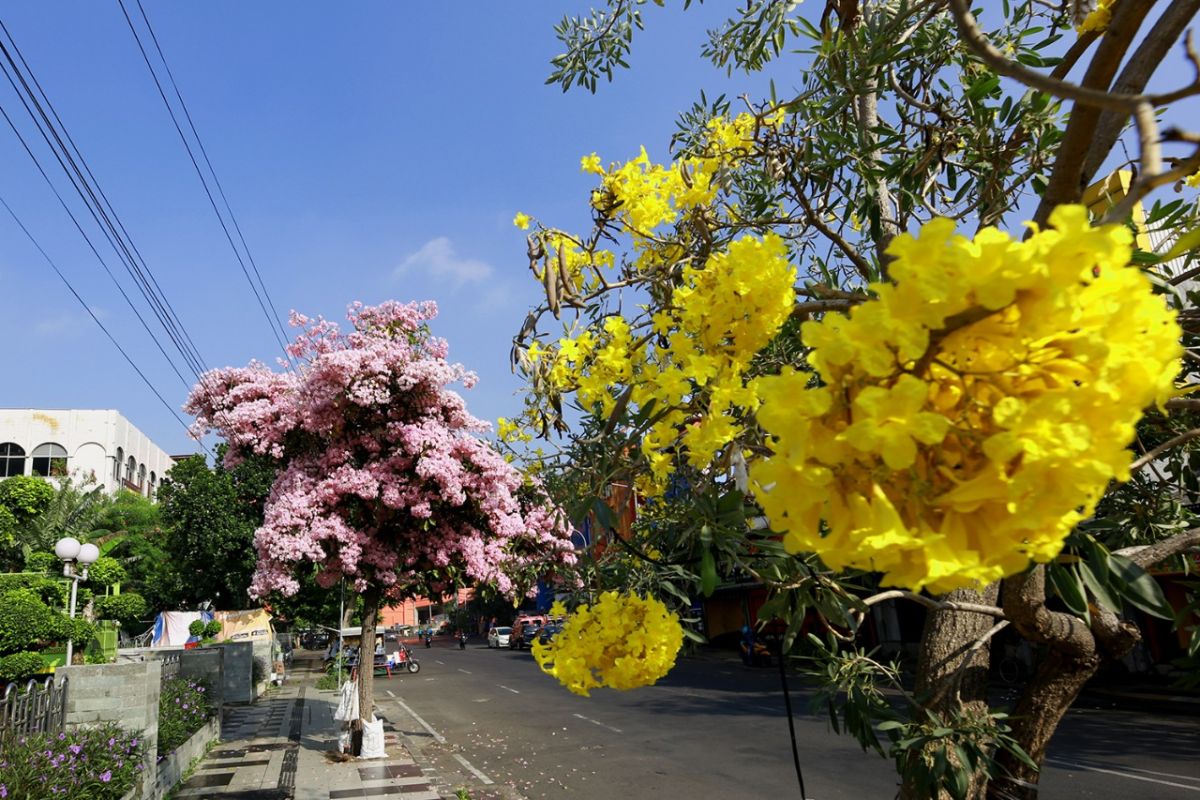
x: 622, y: 642
x: 1098, y: 19
x: 966, y: 419
x: 644, y: 195
x: 511, y: 431
x: 719, y: 319
x: 1193, y: 180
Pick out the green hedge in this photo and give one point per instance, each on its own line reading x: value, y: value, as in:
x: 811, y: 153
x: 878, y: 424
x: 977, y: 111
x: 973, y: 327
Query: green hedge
x: 183, y: 708
x: 17, y: 666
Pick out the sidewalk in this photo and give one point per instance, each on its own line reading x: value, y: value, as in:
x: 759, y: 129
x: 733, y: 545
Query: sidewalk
x: 282, y: 748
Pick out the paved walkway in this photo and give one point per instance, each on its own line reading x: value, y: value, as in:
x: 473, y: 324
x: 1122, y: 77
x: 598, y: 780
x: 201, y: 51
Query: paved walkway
x: 283, y: 748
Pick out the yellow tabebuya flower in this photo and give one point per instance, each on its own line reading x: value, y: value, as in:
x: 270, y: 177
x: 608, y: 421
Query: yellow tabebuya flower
x: 521, y: 220
x: 623, y: 641
x: 955, y: 467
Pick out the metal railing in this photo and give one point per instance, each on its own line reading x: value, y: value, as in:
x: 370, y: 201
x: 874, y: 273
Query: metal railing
x: 35, y: 707
x: 170, y: 665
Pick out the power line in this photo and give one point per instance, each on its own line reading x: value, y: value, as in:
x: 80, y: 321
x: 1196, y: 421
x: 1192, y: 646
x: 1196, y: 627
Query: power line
x: 92, y: 247
x: 95, y: 200
x: 96, y: 319
x: 273, y: 320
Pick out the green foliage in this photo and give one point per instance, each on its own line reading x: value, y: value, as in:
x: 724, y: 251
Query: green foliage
x: 327, y: 682
x: 43, y: 562
x: 196, y: 628
x: 106, y: 571
x: 212, y: 629
x: 17, y: 666
x: 127, y: 608
x: 210, y: 515
x: 26, y: 622
x: 100, y: 763
x: 183, y: 708
x: 53, y: 592
x: 26, y: 497
x: 936, y: 753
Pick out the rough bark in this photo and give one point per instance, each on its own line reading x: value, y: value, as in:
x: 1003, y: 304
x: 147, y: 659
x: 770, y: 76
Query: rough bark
x: 1135, y: 76
x: 366, y: 655
x: 1075, y: 652
x: 1066, y: 179
x: 952, y: 675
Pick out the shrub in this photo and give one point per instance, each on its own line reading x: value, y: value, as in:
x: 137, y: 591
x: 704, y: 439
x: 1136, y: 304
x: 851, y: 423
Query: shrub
x: 183, y: 708
x: 196, y: 628
x: 212, y: 629
x: 44, y: 562
x: 106, y: 571
x: 101, y: 763
x: 26, y: 622
x: 128, y: 608
x: 17, y: 666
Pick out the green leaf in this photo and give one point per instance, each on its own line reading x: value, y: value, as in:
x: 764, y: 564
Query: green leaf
x: 1068, y: 587
x: 1139, y: 587
x: 1097, y: 587
x: 708, y: 573
x: 1184, y: 244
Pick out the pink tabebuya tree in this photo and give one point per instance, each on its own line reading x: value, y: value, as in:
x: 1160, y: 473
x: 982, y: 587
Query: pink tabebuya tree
x: 383, y: 480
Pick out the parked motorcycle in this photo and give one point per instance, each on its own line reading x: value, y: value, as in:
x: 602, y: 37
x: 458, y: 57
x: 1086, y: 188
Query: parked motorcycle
x: 406, y: 660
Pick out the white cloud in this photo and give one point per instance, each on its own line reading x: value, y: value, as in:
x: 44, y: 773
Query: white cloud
x: 437, y: 259
x: 67, y: 323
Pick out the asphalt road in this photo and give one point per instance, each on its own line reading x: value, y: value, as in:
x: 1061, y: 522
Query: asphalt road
x: 714, y: 729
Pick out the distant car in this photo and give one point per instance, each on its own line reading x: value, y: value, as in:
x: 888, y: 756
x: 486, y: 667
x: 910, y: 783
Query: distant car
x: 548, y: 632
x: 529, y: 634
x: 498, y: 637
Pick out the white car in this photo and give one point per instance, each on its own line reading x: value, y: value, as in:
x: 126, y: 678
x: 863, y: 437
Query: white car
x: 498, y: 637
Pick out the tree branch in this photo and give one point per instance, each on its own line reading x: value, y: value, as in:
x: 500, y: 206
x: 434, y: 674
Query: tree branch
x: 930, y: 602
x: 1024, y: 602
x: 1164, y: 447
x: 1134, y: 77
x: 1146, y: 556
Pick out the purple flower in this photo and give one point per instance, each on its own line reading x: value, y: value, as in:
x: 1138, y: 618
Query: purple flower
x: 134, y: 743
x: 62, y: 736
x: 75, y: 749
x: 106, y: 776
x: 111, y: 742
x: 3, y: 789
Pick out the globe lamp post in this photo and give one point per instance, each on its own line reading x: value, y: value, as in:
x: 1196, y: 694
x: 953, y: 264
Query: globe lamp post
x: 76, y: 558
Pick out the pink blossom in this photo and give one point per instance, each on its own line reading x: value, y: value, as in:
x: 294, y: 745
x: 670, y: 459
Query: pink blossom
x: 382, y: 479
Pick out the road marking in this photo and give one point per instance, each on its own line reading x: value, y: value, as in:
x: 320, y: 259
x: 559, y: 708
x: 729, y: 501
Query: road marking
x: 502, y: 686
x: 431, y: 679
x: 437, y: 737
x: 1075, y: 765
x: 443, y: 663
x: 464, y: 671
x: 597, y: 722
x: 482, y: 699
x: 389, y: 693
x: 473, y: 769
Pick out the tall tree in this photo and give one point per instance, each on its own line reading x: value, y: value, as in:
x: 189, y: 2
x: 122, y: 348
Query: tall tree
x: 899, y: 407
x: 382, y: 480
x: 210, y: 515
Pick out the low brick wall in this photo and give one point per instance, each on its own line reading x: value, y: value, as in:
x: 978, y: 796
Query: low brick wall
x: 126, y: 694
x: 172, y: 768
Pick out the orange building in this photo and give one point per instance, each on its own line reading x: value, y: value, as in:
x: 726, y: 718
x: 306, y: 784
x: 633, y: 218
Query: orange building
x: 418, y: 610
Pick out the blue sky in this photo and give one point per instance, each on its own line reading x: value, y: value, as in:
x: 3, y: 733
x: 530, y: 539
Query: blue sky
x: 379, y: 150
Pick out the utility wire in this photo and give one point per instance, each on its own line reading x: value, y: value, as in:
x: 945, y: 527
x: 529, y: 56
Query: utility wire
x: 273, y: 320
x: 91, y: 195
x: 96, y: 319
x: 92, y: 247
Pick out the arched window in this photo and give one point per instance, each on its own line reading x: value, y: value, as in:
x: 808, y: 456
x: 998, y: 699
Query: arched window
x: 141, y: 476
x: 50, y: 460
x: 130, y: 469
x: 153, y: 485
x: 12, y: 460
x: 117, y: 465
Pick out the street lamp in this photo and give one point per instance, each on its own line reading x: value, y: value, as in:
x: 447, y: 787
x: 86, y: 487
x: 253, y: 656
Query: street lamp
x: 71, y: 553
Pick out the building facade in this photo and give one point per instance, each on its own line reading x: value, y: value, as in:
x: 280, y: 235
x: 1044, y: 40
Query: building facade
x: 100, y: 446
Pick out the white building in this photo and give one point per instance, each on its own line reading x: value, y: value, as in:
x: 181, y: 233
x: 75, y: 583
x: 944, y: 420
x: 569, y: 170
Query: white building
x: 99, y: 445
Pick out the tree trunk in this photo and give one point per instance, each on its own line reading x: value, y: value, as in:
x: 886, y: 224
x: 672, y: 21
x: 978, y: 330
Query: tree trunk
x: 951, y: 675
x: 366, y: 656
x: 1050, y: 693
